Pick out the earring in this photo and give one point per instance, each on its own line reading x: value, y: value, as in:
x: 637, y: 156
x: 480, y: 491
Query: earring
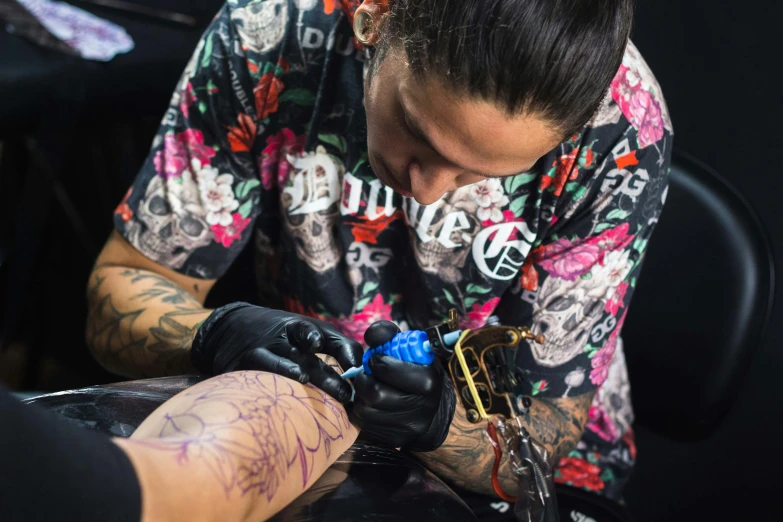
x: 363, y: 26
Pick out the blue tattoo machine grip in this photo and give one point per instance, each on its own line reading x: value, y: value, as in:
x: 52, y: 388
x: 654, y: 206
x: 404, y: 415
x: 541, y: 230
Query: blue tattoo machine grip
x: 412, y: 346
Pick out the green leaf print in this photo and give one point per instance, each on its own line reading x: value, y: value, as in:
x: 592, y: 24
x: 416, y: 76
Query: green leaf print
x: 362, y: 303
x: 590, y: 350
x: 586, y: 276
x: 617, y: 214
x: 514, y: 182
x: 470, y: 301
x: 244, y: 188
x: 477, y: 289
x: 206, y: 55
x: 640, y: 245
x: 334, y: 139
x: 359, y: 163
x: 202, y: 107
x: 246, y: 208
x: 298, y: 96
x: 368, y: 287
x: 449, y: 296
x: 518, y: 205
x: 607, y: 475
x: 601, y: 227
x: 539, y: 387
x: 591, y: 458
x: 571, y: 186
x: 580, y: 192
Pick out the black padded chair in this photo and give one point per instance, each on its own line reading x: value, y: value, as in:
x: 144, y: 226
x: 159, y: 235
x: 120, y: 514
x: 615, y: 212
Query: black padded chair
x: 701, y: 306
x: 696, y: 321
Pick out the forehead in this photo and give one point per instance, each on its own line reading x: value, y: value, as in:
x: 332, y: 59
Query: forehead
x: 475, y: 129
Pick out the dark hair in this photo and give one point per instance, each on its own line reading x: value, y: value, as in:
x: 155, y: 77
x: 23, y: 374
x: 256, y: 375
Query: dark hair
x: 552, y: 58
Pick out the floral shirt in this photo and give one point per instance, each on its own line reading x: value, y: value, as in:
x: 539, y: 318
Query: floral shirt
x: 264, y: 146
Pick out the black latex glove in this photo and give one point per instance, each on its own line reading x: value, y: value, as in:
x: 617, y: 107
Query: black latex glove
x: 241, y: 336
x: 403, y: 404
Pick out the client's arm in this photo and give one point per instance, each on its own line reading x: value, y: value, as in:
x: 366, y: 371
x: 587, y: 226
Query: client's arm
x: 239, y: 446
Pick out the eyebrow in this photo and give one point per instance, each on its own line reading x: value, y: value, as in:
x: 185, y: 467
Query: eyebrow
x: 416, y: 129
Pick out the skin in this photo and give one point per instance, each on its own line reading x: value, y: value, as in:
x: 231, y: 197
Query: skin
x: 142, y: 317
x: 465, y: 459
x: 239, y: 446
x: 423, y: 141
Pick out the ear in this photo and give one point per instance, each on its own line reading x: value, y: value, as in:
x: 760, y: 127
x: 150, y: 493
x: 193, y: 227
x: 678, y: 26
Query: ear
x: 367, y: 19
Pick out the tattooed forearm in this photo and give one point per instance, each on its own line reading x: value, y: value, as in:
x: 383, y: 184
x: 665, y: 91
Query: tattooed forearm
x: 256, y: 438
x: 140, y: 324
x: 466, y: 457
x: 162, y: 288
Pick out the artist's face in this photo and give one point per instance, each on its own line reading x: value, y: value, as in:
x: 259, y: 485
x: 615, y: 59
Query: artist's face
x: 424, y: 141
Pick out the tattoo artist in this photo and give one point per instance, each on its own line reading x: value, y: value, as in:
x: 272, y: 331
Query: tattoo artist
x: 394, y: 160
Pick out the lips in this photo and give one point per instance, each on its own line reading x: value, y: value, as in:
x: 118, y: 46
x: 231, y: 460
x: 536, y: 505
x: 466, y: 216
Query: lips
x: 383, y: 174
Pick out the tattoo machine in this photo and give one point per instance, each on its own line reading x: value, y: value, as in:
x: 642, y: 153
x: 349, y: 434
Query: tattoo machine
x: 412, y: 346
x: 483, y: 371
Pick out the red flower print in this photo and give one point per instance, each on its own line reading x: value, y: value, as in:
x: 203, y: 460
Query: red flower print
x: 356, y: 324
x: 646, y: 117
x: 616, y: 238
x: 579, y: 473
x: 242, y: 136
x: 123, y: 209
x: 568, y: 259
x: 293, y: 305
x: 599, y: 422
x: 275, y: 167
x: 347, y: 6
x: 638, y: 106
x: 228, y: 234
x: 627, y: 160
x: 614, y: 304
x: 365, y: 230
x: 586, y: 158
x: 629, y: 439
x: 546, y: 181
x: 529, y: 278
x: 565, y: 170
x: 188, y: 98
x: 178, y: 151
x: 479, y: 313
x: 266, y: 94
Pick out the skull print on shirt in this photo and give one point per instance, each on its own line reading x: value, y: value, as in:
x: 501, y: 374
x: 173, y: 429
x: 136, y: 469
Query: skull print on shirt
x: 264, y: 146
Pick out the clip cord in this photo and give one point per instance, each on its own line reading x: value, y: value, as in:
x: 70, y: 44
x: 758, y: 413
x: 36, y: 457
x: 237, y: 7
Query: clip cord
x: 491, y: 430
x: 493, y: 437
x: 468, y: 378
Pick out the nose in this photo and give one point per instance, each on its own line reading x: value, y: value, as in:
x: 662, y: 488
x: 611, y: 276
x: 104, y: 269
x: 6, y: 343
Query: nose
x: 429, y: 185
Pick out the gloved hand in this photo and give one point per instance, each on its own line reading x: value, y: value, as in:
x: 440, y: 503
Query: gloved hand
x: 241, y: 336
x: 403, y: 404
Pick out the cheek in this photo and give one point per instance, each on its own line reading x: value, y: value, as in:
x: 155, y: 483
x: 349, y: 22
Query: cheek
x: 384, y: 137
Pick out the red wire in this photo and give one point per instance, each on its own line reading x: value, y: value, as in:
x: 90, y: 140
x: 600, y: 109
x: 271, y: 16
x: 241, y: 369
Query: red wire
x: 493, y: 437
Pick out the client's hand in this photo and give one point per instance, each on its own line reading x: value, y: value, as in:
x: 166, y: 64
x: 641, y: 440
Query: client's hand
x: 403, y: 404
x: 241, y: 336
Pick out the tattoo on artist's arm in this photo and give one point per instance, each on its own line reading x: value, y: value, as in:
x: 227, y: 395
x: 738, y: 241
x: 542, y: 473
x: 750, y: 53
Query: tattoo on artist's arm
x: 466, y: 457
x: 140, y: 324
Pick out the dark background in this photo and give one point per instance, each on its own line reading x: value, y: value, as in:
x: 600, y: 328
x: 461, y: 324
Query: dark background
x: 718, y: 66
x: 717, y: 63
